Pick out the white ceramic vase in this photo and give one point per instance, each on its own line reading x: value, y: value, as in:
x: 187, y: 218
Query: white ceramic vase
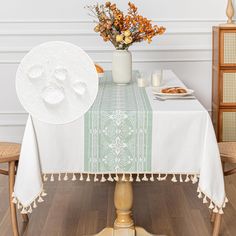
x: 122, y: 67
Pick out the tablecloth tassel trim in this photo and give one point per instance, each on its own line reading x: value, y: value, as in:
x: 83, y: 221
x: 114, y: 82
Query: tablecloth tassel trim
x: 215, y: 210
x: 52, y: 178
x: 88, y: 178
x: 187, y: 179
x: 211, y: 206
x: 199, y: 195
x: 103, y: 179
x: 226, y: 200
x: 144, y: 177
x: 138, y: 178
x: 116, y: 178
x: 24, y: 211
x: 205, y: 199
x: 73, y: 177
x: 30, y: 209
x: 164, y: 177
x: 152, y: 178
x: 194, y: 179
x: 95, y: 178
x: 81, y: 178
x: 123, y: 178
x: 65, y: 177
x: 110, y: 178
x: 180, y: 178
x: 34, y: 204
x: 59, y: 177
x: 174, y: 179
x: 131, y: 179
x: 159, y: 177
x: 45, y: 178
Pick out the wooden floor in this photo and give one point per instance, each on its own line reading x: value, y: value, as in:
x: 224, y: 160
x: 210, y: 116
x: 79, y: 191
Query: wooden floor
x: 80, y: 208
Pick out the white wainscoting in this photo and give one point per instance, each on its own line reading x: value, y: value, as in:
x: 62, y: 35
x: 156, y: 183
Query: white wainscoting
x: 185, y: 48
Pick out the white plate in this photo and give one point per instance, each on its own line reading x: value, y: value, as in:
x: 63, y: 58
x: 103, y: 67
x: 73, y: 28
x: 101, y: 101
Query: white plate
x: 57, y: 82
x: 157, y: 91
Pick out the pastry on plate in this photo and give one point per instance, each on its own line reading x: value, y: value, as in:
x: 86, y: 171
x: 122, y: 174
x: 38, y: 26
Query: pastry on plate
x: 174, y: 90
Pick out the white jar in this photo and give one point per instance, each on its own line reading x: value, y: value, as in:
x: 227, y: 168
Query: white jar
x: 122, y: 66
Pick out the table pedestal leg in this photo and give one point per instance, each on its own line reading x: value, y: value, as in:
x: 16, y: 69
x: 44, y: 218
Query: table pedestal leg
x: 124, y: 224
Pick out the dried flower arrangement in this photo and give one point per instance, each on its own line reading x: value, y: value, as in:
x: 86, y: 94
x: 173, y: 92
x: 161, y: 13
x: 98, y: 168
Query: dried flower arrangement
x: 120, y: 29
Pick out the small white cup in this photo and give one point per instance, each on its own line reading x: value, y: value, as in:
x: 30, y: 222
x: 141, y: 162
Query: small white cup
x: 157, y: 78
x: 142, y: 79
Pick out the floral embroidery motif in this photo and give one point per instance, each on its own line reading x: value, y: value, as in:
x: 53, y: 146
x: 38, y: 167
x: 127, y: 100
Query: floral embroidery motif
x: 118, y: 134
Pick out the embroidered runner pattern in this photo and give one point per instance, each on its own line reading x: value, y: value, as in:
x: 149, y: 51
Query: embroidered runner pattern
x: 118, y: 130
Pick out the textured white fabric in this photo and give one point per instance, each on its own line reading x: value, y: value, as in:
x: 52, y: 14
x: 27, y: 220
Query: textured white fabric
x: 183, y: 142
x: 56, y: 82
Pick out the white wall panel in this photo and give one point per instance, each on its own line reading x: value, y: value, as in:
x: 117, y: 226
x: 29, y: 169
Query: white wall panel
x: 185, y: 48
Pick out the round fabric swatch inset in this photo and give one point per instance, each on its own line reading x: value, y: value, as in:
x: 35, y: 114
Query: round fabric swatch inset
x: 56, y: 82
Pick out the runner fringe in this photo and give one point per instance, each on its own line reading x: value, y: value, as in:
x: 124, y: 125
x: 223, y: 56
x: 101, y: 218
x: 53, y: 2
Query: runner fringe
x: 103, y: 177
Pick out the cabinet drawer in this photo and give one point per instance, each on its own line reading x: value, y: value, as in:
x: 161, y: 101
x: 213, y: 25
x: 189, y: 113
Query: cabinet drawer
x: 228, y: 48
x: 228, y: 88
x: 227, y: 125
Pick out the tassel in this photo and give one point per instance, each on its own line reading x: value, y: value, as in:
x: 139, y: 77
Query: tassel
x: 52, y: 178
x: 34, y: 205
x: 30, y: 209
x: 159, y: 177
x: 187, y: 179
x: 194, y: 179
x: 152, y: 178
x: 123, y: 178
x: 144, y: 177
x: 19, y: 206
x: 14, y: 200
x: 116, y: 178
x: 66, y: 177
x: 221, y: 211
x: 180, y: 178
x: 73, y: 177
x: 43, y: 194
x: 215, y: 210
x: 131, y: 178
x: 81, y: 177
x: 24, y: 211
x: 199, y: 195
x: 205, y: 199
x: 88, y: 178
x: 110, y: 178
x: 198, y: 190
x: 45, y: 178
x: 164, y: 178
x: 211, y: 205
x: 226, y: 200
x: 224, y: 204
x: 40, y: 199
x: 95, y: 178
x: 174, y: 178
x: 137, y: 178
x: 103, y: 179
x: 59, y: 177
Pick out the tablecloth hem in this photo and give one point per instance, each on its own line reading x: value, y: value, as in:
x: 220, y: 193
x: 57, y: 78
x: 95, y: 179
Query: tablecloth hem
x: 25, y: 209
x: 103, y: 177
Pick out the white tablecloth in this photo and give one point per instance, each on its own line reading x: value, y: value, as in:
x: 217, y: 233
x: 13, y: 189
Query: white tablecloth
x: 183, y: 145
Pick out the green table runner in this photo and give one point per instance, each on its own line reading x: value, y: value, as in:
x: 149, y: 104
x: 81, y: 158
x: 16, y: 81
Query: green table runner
x: 118, y: 129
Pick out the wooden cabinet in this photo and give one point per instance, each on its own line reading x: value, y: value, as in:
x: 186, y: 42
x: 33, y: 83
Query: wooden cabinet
x: 224, y: 83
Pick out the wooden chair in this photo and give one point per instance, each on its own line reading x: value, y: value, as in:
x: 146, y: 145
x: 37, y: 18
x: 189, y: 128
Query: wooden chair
x: 228, y: 155
x: 9, y: 153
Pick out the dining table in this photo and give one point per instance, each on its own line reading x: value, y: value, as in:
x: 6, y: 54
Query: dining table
x: 128, y: 135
